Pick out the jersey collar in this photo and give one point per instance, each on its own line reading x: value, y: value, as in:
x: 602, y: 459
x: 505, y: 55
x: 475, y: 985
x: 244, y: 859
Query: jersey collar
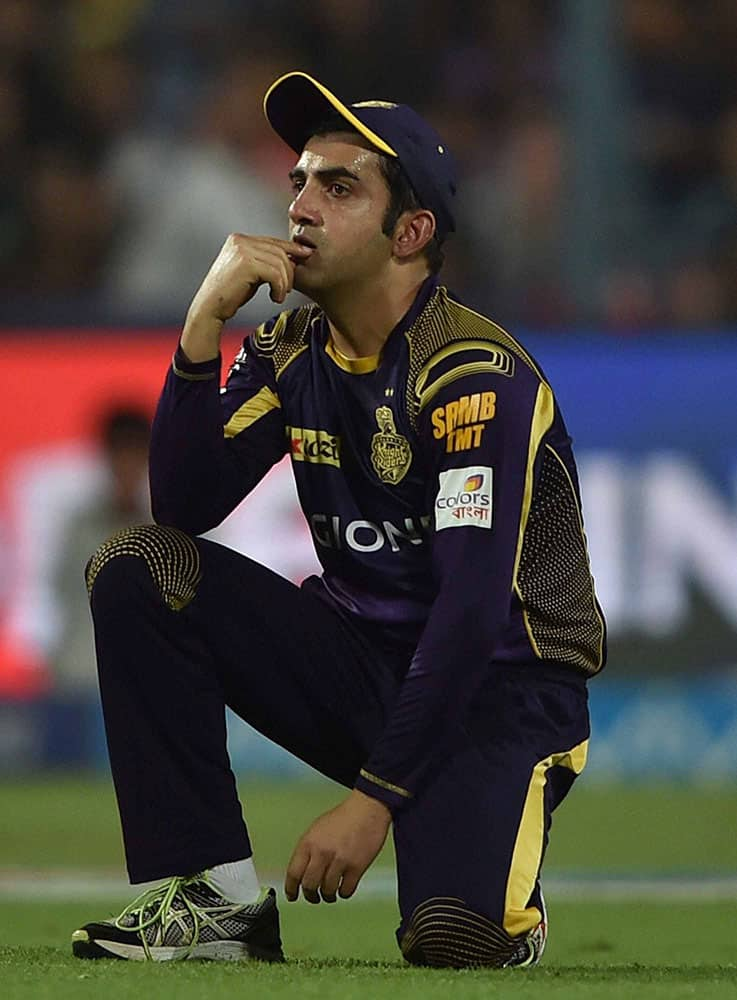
x: 362, y: 366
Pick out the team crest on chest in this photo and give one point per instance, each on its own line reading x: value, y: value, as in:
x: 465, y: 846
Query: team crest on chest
x: 391, y: 454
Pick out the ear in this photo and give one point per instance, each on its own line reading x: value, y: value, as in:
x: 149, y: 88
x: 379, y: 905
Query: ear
x: 412, y: 233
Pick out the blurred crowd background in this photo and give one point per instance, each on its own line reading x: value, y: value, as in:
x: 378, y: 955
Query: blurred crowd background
x: 597, y: 144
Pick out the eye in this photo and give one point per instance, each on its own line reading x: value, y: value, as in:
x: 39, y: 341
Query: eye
x: 297, y: 184
x: 338, y: 190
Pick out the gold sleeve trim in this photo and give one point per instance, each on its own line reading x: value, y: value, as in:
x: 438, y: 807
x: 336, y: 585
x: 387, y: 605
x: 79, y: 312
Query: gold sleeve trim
x: 251, y: 411
x: 385, y: 784
x: 191, y: 376
x: 542, y: 420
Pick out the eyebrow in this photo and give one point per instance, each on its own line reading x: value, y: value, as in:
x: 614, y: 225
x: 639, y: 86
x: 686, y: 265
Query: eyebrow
x: 327, y: 174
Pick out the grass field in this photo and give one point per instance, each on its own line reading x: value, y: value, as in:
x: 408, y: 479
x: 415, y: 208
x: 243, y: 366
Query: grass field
x: 641, y: 891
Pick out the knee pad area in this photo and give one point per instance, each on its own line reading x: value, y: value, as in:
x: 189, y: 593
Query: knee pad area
x: 443, y: 932
x: 172, y: 558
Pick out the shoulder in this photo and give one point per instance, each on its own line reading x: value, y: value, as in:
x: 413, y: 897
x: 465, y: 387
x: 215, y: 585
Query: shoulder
x: 280, y: 339
x: 449, y: 341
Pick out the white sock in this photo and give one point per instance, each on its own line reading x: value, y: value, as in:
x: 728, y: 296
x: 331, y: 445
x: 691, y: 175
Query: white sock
x: 236, y: 881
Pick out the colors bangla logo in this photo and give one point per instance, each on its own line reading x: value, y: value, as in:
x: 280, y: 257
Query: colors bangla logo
x: 469, y: 504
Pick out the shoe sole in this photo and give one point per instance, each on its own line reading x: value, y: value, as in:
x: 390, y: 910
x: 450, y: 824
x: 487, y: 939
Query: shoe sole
x: 210, y: 951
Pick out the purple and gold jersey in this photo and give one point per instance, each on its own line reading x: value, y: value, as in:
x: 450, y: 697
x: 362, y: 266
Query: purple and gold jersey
x: 440, y: 489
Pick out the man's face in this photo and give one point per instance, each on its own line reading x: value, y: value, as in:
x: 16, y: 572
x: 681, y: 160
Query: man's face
x: 340, y: 199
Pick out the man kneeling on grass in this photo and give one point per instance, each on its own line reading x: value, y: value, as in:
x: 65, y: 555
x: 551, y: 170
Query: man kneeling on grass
x: 438, y: 666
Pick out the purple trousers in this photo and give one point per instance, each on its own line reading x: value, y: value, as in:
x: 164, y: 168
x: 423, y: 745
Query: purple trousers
x: 322, y: 686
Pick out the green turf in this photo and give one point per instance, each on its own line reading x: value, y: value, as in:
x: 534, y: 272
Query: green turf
x: 613, y: 951
x: 73, y: 822
x: 347, y: 950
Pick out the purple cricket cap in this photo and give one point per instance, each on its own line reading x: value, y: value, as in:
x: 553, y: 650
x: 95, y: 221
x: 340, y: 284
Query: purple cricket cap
x: 296, y: 104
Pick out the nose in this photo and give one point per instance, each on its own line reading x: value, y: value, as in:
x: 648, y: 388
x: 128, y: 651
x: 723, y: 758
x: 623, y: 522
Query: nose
x: 303, y: 211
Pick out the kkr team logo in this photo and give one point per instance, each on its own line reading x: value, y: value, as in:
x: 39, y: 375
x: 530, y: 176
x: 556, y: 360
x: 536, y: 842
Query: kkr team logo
x: 391, y: 454
x: 316, y: 446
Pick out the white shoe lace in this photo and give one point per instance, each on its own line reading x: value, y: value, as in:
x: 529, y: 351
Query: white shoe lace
x: 158, y: 900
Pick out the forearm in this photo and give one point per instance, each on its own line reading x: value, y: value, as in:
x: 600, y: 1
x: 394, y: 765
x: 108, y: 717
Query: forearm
x: 452, y: 661
x: 188, y: 467
x: 203, y: 461
x: 244, y: 263
x: 201, y: 335
x: 200, y: 468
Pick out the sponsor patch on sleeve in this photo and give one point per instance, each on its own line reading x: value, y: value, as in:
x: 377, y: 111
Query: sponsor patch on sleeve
x: 464, y: 498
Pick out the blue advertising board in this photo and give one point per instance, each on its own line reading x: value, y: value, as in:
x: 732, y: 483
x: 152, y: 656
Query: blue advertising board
x: 655, y: 435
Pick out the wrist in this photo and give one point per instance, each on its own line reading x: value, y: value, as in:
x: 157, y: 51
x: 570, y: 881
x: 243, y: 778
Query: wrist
x: 201, y: 335
x: 369, y: 804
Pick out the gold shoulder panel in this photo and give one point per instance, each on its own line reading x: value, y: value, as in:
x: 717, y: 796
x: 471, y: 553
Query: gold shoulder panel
x: 265, y: 340
x: 288, y: 337
x: 446, y: 328
x: 497, y: 361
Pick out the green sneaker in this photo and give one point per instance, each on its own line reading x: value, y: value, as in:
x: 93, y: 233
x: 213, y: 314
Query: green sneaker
x: 185, y: 917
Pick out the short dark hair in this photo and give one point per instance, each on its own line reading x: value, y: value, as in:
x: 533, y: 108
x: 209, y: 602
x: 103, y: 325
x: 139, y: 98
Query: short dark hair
x: 402, y: 196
